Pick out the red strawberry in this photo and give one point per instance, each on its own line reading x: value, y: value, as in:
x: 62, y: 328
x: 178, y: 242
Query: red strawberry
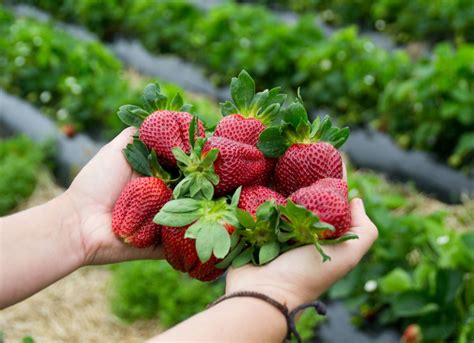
x: 317, y: 213
x: 237, y: 164
x: 330, y: 204
x: 221, y: 162
x: 303, y: 164
x: 252, y: 197
x: 69, y: 130
x: 240, y: 129
x: 412, y: 334
x: 247, y: 116
x: 163, y: 130
x: 307, y: 151
x: 180, y: 252
x: 196, y: 234
x: 163, y: 124
x: 132, y: 216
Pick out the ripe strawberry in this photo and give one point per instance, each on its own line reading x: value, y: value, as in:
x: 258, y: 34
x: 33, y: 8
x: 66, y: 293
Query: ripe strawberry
x: 412, y: 334
x: 180, y: 252
x: 252, y: 197
x: 307, y: 152
x: 197, y: 234
x: 132, y: 216
x: 249, y: 113
x: 163, y: 125
x: 317, y: 213
x: 221, y: 162
x: 141, y: 199
x: 69, y: 130
x: 163, y: 130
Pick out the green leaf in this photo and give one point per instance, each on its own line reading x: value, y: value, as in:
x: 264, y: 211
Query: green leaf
x: 231, y: 256
x: 411, y: 304
x: 182, y: 206
x: 175, y: 219
x: 448, y: 284
x: 242, y: 90
x: 157, y: 169
x: 236, y: 197
x: 180, y: 155
x: 192, y: 131
x: 228, y: 108
x: 268, y: 252
x: 212, y: 238
x: 244, y: 258
x: 132, y: 115
x: 245, y: 219
x: 271, y: 142
x: 221, y: 241
x: 136, y: 154
x: 204, y: 244
x: 296, y: 114
x: 397, y: 281
x: 176, y: 103
x: 152, y: 98
x: 192, y: 232
x: 266, y: 210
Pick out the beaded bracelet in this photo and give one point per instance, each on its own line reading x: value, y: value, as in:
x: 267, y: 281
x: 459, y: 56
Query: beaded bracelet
x: 289, y: 315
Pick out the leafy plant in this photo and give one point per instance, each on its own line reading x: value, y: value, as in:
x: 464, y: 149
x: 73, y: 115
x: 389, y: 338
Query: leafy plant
x: 20, y: 160
x: 433, y: 109
x: 419, y: 270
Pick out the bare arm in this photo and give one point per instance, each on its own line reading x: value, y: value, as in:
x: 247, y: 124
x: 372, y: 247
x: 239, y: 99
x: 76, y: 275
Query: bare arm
x: 41, y: 245
x: 296, y: 277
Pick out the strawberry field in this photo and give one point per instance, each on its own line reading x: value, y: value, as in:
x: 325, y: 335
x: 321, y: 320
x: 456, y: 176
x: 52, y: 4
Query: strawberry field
x: 62, y: 61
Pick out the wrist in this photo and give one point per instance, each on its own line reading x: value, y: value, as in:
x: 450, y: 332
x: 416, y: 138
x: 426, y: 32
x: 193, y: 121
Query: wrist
x: 69, y: 224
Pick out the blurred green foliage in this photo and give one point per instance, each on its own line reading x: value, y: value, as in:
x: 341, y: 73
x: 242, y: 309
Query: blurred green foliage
x: 433, y: 109
x: 149, y: 289
x: 20, y: 160
x: 405, y: 21
x: 418, y: 271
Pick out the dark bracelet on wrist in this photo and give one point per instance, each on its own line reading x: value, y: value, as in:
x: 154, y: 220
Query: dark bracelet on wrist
x: 289, y: 315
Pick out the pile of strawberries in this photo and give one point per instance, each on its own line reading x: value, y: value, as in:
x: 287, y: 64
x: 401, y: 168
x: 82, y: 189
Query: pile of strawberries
x: 263, y: 181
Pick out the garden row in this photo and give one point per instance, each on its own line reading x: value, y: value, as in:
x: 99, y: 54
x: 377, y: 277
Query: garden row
x: 404, y: 20
x: 78, y: 83
x: 424, y: 105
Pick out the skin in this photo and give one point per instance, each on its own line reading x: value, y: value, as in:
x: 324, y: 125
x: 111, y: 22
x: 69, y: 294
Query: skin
x: 74, y: 230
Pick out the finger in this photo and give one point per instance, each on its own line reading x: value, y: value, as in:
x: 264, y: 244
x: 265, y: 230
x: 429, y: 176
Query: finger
x: 122, y: 139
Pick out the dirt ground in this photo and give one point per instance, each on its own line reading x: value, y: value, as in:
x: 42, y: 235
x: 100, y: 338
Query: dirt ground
x: 74, y: 309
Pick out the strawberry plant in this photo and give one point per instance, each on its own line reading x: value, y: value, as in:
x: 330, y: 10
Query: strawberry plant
x: 433, y: 109
x: 419, y: 270
x: 20, y: 160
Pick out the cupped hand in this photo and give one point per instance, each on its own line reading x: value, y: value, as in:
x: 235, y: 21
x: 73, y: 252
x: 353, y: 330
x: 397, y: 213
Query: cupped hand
x: 91, y: 198
x: 300, y: 276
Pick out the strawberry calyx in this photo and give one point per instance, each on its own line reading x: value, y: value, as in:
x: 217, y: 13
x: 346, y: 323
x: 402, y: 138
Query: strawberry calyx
x: 300, y: 226
x: 263, y: 106
x: 153, y: 100
x: 211, y: 223
x: 145, y: 162
x: 259, y: 234
x: 197, y: 167
x: 295, y: 128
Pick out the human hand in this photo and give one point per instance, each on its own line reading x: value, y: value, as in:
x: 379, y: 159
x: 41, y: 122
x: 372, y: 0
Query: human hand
x: 300, y: 276
x: 91, y: 198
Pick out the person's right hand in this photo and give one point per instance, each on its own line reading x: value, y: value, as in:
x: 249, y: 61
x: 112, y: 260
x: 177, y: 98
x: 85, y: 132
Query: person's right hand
x: 300, y: 276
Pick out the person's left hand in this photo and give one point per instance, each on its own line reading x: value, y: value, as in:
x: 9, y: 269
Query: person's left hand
x: 91, y: 198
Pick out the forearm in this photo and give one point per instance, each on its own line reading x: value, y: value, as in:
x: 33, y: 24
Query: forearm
x: 50, y: 249
x: 241, y: 319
